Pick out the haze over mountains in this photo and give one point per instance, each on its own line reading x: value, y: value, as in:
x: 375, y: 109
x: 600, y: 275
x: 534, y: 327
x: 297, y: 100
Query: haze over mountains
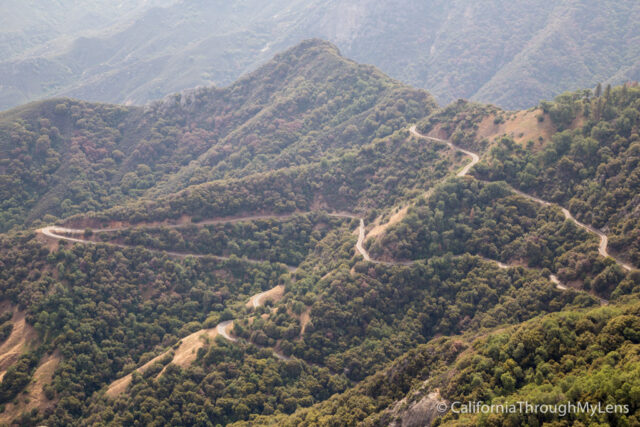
x: 510, y: 53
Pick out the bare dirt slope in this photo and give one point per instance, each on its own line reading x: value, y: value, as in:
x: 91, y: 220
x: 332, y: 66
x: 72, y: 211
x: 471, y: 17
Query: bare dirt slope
x: 22, y: 337
x: 186, y: 354
x: 34, y: 397
x: 121, y: 384
x: 522, y: 126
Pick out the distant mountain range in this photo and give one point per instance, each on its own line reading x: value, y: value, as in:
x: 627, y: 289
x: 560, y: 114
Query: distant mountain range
x: 510, y: 53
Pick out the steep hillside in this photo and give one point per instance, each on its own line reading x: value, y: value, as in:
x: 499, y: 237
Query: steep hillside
x: 510, y: 53
x: 62, y: 157
x: 573, y: 356
x: 591, y: 167
x: 580, y: 151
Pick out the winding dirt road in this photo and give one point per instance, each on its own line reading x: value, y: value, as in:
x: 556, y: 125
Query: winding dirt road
x: 474, y: 157
x: 362, y: 251
x: 360, y: 242
x: 259, y: 299
x: 256, y: 301
x: 222, y: 329
x: 58, y: 233
x: 604, y: 241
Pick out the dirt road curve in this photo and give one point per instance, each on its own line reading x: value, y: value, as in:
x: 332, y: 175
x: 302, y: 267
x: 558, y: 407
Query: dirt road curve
x: 223, y: 330
x: 259, y: 299
x: 465, y: 170
x: 604, y: 240
x: 359, y: 243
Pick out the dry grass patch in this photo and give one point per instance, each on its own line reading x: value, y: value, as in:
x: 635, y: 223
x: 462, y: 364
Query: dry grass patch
x: 22, y: 337
x: 183, y: 356
x: 186, y: 354
x: 522, y: 126
x: 120, y: 385
x: 394, y: 219
x: 34, y: 398
x: 305, y: 317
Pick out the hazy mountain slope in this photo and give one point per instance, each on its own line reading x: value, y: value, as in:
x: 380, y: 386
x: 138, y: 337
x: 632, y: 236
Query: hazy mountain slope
x: 62, y: 157
x: 29, y: 27
x: 512, y: 53
x: 452, y: 48
x: 307, y: 104
x: 164, y: 50
x: 581, y: 43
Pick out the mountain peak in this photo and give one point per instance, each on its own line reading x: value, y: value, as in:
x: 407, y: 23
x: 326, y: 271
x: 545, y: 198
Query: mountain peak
x: 313, y: 44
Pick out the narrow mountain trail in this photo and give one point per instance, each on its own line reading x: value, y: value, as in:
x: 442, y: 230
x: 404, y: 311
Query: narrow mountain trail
x: 58, y: 233
x: 465, y: 170
x: 602, y: 248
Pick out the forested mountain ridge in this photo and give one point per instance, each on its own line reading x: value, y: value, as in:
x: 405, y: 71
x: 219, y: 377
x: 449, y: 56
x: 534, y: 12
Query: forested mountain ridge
x: 580, y: 151
x: 231, y: 273
x: 509, y: 53
x: 62, y: 157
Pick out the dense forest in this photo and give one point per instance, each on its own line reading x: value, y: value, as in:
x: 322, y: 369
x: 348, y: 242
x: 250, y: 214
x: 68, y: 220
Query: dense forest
x: 220, y: 264
x: 107, y: 310
x: 575, y: 355
x: 588, y: 163
x: 488, y: 219
x: 375, y: 176
x: 286, y: 240
x: 93, y: 302
x: 362, y: 319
